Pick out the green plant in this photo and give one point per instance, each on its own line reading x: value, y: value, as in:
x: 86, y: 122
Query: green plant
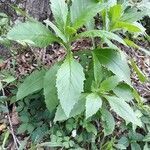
x: 4, y: 27
x: 4, y: 23
x: 94, y: 87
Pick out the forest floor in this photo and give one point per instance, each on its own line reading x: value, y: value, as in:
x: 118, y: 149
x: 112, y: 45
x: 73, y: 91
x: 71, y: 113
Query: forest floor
x: 21, y: 62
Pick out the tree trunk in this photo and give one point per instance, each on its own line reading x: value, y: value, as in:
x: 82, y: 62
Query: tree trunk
x: 38, y: 9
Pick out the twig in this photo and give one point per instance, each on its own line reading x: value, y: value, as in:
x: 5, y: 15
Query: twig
x: 11, y: 128
x: 10, y: 123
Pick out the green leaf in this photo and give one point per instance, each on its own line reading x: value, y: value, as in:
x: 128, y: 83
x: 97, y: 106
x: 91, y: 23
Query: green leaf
x: 140, y: 26
x: 98, y: 75
x: 70, y: 30
x: 137, y: 97
x: 22, y: 128
x: 69, y: 83
x: 108, y: 145
x: 91, y: 128
x: 146, y: 147
x: 77, y: 109
x: 102, y: 34
x: 5, y: 42
x: 93, y: 104
x: 131, y: 43
x: 141, y: 76
x: 82, y: 11
x: 60, y: 12
x: 126, y: 26
x: 115, y: 62
x: 9, y: 79
x: 56, y: 30
x: 123, y: 110
x: 135, y: 136
x: 147, y: 138
x: 124, y: 91
x: 132, y: 15
x: 50, y: 90
x: 120, y: 146
x: 91, y: 24
x: 115, y: 13
x: 60, y: 115
x: 124, y: 141
x: 135, y: 146
x: 108, y: 122
x: 33, y: 33
x: 109, y: 84
x: 105, y: 19
x: 31, y: 84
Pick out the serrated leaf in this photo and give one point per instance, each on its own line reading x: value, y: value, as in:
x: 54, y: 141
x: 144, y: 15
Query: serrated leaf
x: 50, y: 90
x: 115, y: 62
x: 126, y: 26
x: 132, y: 15
x: 77, y: 109
x: 115, y: 13
x: 109, y: 84
x: 32, y: 33
x: 98, y: 72
x: 83, y: 11
x: 108, y: 122
x: 31, y: 84
x: 124, y: 91
x: 69, y: 83
x: 102, y: 34
x: 123, y: 110
x: 93, y: 104
x: 60, y: 12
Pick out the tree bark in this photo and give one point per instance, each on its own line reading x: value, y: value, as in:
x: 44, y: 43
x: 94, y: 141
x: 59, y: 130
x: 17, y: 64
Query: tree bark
x: 38, y: 9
